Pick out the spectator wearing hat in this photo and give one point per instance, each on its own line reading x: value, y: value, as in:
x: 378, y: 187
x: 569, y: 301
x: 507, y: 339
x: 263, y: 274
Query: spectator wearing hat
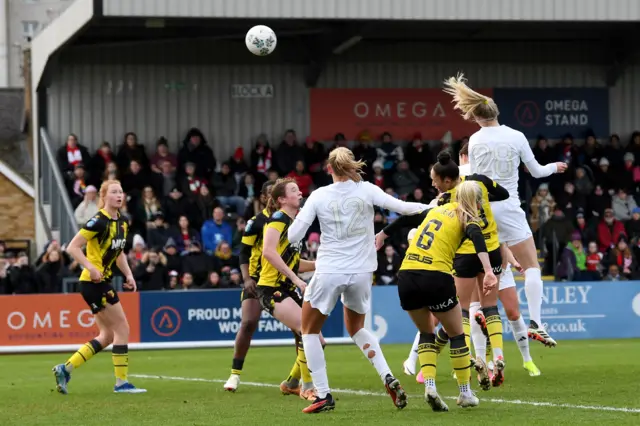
x: 420, y: 158
x: 216, y: 230
x: 152, y: 273
x: 622, y: 256
x: 623, y: 205
x: 288, y: 153
x: 302, y: 178
x: 130, y: 150
x: 585, y: 229
x: 594, y: 263
x: 197, y: 264
x: 604, y: 176
x: 88, y: 207
x: 235, y: 278
x: 609, y: 231
x: 573, y: 260
x: 71, y: 154
x: 238, y: 165
x: 378, y: 178
x: 138, y: 249
x: 174, y: 280
x: 389, y: 154
x: 163, y: 155
x: 173, y: 256
x: 313, y: 155
x: 583, y: 182
x: 310, y: 251
x: 176, y: 205
x: 197, y: 151
x: 226, y: 188
x: 542, y: 207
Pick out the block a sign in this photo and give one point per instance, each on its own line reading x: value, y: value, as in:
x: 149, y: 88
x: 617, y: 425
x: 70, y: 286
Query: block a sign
x: 252, y: 91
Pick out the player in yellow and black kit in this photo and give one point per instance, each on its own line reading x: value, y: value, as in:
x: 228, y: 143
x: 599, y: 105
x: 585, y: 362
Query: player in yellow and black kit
x: 278, y: 283
x: 467, y: 269
x: 104, y: 236
x: 251, y: 266
x: 425, y: 284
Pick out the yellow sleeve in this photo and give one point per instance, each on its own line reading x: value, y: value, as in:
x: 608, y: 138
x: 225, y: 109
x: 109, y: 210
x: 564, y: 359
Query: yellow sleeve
x: 277, y: 224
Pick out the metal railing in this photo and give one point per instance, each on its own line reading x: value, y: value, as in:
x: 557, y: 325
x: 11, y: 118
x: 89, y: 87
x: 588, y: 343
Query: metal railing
x: 53, y: 191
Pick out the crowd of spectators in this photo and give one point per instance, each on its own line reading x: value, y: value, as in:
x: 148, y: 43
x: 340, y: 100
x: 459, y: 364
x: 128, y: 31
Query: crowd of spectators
x: 187, y: 210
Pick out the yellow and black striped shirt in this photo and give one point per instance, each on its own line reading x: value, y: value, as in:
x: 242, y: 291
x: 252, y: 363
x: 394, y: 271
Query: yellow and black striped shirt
x: 106, y: 238
x: 270, y: 276
x: 252, y: 243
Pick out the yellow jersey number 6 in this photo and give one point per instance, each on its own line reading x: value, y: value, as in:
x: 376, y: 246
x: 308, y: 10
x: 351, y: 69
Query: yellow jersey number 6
x: 428, y: 235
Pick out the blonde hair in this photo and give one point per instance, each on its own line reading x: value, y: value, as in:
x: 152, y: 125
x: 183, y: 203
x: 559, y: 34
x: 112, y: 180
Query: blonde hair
x: 344, y: 164
x: 468, y: 195
x: 473, y: 106
x: 103, y: 191
x: 279, y: 189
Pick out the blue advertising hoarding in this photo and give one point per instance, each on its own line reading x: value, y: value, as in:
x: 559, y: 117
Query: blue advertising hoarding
x: 555, y: 112
x: 570, y: 310
x: 191, y: 316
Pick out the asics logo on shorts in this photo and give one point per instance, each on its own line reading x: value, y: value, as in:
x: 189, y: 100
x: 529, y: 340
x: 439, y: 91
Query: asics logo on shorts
x: 441, y: 306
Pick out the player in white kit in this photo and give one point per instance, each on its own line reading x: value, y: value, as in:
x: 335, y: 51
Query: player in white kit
x: 345, y: 265
x: 496, y: 151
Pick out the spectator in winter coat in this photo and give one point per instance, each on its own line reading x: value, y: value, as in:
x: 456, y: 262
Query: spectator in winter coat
x: 594, y: 265
x: 289, y: 152
x: 622, y: 256
x: 389, y: 154
x: 166, y: 178
x: 623, y: 205
x: 176, y: 205
x: 557, y: 233
x: 189, y: 183
x: 78, y: 184
x: 587, y: 232
x: 196, y: 150
x: 237, y: 164
x: 135, y: 180
x: 51, y: 273
x: 226, y: 187
x: 378, y: 178
x: 71, y: 154
x: 21, y: 276
x: 99, y: 161
x: 365, y: 151
x: 302, y: 178
x: 633, y: 225
x: 88, y: 207
x: 215, y: 231
x: 313, y: 155
x: 174, y: 258
x: 592, y: 152
x: 614, y: 152
x: 204, y: 205
x: 614, y: 274
x: 604, y: 175
x: 163, y: 155
x: 152, y: 272
x: 131, y: 150
x: 419, y: 157
x: 225, y: 260
x: 542, y: 207
x: 388, y: 266
x: 404, y: 180
x: 598, y: 202
x: 160, y: 233
x: 573, y: 261
x: 198, y: 264
x: 583, y: 182
x: 609, y: 231
x: 215, y: 281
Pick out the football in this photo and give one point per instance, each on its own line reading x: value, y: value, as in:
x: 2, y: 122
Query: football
x: 261, y: 40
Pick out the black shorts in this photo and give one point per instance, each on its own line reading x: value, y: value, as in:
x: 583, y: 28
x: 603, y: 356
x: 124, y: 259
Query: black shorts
x: 269, y: 296
x: 246, y: 295
x: 98, y: 295
x: 469, y: 265
x: 433, y: 290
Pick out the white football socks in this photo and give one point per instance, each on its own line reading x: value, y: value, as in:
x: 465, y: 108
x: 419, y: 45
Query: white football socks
x: 370, y: 347
x: 413, y: 354
x: 533, y: 290
x: 316, y: 363
x: 477, y: 336
x: 519, y: 330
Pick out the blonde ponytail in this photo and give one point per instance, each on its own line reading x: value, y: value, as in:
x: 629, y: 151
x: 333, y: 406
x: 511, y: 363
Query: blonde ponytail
x: 473, y: 106
x: 344, y: 164
x: 468, y: 195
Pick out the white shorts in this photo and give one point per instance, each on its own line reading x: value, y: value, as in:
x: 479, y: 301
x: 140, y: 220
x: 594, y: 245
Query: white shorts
x: 506, y: 279
x: 513, y: 227
x: 324, y: 289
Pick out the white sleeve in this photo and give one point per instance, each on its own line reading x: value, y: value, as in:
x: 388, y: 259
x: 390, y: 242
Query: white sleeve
x: 529, y: 160
x: 303, y: 220
x: 472, y: 160
x: 386, y: 201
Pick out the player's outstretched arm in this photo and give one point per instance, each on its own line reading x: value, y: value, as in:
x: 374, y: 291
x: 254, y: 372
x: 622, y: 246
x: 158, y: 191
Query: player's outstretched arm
x: 388, y: 202
x: 536, y: 170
